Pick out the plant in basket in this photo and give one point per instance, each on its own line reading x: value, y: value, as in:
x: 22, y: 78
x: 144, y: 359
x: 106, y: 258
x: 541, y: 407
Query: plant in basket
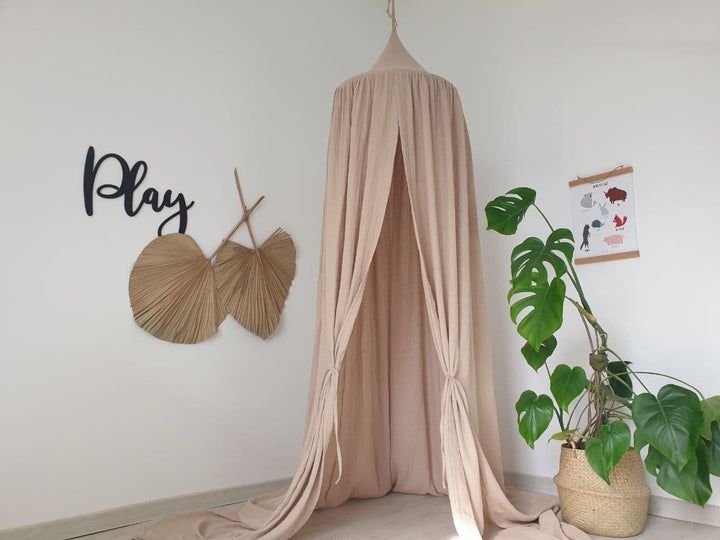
x: 599, y: 410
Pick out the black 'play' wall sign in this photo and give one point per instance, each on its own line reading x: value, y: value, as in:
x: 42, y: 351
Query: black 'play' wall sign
x: 131, y: 179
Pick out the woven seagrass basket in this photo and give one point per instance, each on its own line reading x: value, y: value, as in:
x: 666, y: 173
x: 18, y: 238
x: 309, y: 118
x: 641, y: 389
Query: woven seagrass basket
x: 618, y: 510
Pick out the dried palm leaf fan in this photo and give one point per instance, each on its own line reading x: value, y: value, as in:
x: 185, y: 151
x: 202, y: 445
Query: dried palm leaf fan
x: 172, y: 288
x: 254, y: 283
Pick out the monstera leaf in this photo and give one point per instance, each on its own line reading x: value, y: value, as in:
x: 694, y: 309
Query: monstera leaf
x: 605, y: 451
x: 504, y: 213
x: 544, y: 305
x: 621, y: 383
x: 566, y: 384
x: 711, y: 413
x: 714, y: 450
x: 536, y: 359
x: 532, y: 256
x: 711, y: 432
x: 640, y: 441
x: 670, y: 422
x: 653, y: 460
x: 690, y: 483
x: 534, y: 415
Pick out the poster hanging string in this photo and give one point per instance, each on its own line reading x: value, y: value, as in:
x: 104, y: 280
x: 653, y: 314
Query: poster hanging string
x: 608, y: 175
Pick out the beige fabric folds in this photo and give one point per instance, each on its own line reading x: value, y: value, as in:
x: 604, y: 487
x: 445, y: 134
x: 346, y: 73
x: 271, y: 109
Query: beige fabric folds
x: 401, y: 392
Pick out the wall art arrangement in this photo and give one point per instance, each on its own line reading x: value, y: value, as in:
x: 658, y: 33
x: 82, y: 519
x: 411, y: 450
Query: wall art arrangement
x: 603, y: 216
x: 130, y: 181
x: 178, y: 295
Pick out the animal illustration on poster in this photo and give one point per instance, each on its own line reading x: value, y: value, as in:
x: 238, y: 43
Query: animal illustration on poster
x: 604, y: 219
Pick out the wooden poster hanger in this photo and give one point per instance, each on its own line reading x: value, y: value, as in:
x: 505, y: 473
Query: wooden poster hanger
x: 602, y: 176
x: 601, y: 241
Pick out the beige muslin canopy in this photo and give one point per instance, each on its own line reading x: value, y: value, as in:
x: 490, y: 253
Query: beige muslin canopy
x: 401, y: 395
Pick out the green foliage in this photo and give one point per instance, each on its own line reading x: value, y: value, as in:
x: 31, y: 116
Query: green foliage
x: 653, y: 460
x: 534, y: 415
x: 711, y: 413
x: 623, y: 387
x: 537, y: 359
x: 566, y: 384
x: 605, y: 451
x: 691, y: 482
x: 670, y: 422
x: 563, y: 435
x: 714, y: 450
x: 530, y: 259
x: 505, y: 213
x: 681, y: 432
x: 544, y: 302
x: 640, y: 441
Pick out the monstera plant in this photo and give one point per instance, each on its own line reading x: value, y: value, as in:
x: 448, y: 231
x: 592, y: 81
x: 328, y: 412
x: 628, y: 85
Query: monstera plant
x: 599, y: 409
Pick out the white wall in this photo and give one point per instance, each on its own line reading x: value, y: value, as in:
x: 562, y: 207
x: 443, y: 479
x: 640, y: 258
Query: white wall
x: 95, y: 413
x: 560, y: 88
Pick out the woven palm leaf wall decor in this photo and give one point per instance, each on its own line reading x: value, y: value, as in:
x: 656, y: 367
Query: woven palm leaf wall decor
x: 172, y: 291
x: 178, y: 295
x: 253, y: 284
x: 173, y: 287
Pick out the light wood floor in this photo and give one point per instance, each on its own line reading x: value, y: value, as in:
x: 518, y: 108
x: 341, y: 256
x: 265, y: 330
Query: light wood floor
x: 414, y: 517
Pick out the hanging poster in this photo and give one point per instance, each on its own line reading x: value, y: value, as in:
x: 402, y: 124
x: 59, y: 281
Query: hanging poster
x: 603, y: 216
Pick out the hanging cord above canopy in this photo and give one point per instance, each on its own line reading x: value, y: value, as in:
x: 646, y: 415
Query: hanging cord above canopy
x: 395, y: 55
x: 391, y: 12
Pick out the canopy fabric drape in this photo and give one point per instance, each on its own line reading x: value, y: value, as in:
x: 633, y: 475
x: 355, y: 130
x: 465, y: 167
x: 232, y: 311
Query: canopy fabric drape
x: 401, y: 395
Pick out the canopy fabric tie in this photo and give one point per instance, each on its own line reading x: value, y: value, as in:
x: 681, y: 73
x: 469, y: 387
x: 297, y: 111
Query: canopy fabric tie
x: 330, y: 386
x: 453, y: 395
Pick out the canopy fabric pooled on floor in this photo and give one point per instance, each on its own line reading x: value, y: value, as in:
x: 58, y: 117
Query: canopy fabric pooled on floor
x: 401, y: 394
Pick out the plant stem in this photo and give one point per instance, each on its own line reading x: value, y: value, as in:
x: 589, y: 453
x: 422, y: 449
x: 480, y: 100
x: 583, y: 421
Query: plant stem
x: 587, y: 331
x: 545, y: 218
x: 616, y: 376
x: 589, y: 412
x: 577, y: 403
x: 593, y: 420
x: 578, y: 287
x: 630, y: 371
x: 699, y: 393
x: 667, y: 377
x: 560, y: 418
x: 599, y: 405
x: 575, y: 283
x: 582, y: 411
x: 593, y: 322
x: 615, y: 407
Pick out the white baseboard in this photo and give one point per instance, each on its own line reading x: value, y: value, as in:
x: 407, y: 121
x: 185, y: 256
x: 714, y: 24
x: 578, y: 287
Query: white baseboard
x: 114, y: 518
x: 659, y: 506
